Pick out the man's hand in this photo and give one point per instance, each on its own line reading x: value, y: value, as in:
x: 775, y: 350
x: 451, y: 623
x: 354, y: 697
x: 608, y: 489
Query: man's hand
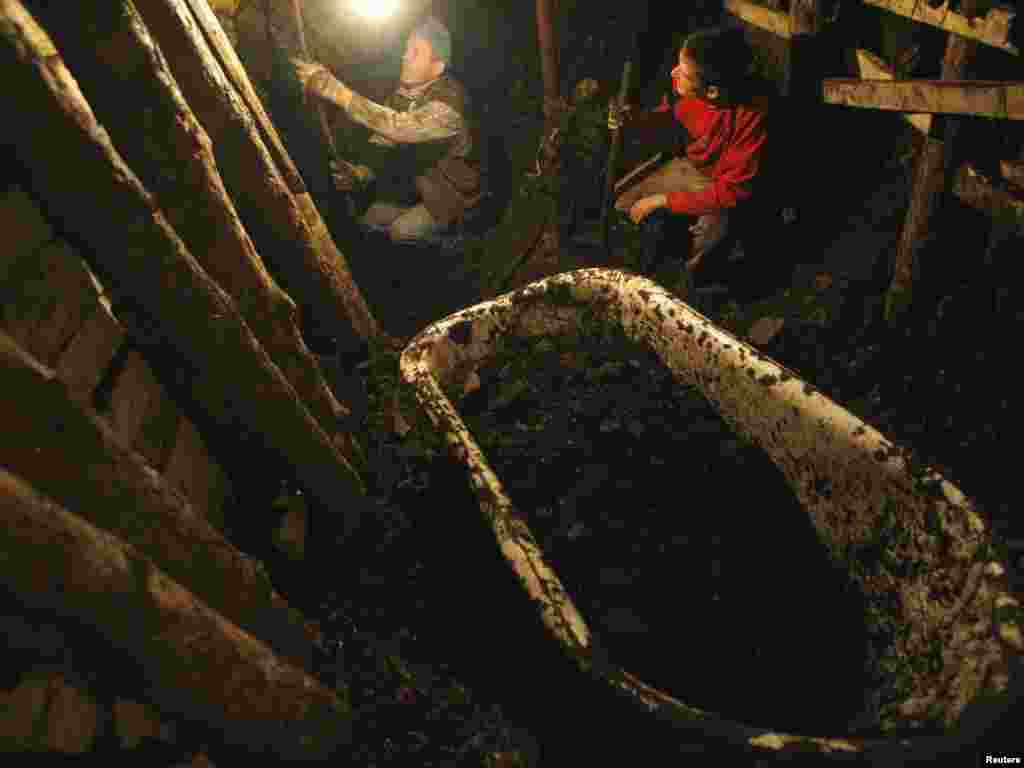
x: 316, y: 79
x: 645, y: 206
x: 348, y: 177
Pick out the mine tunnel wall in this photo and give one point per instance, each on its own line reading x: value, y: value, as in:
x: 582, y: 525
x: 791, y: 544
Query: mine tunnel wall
x: 56, y: 309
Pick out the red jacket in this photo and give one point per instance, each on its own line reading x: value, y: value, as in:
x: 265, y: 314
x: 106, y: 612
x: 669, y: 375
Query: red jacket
x: 726, y: 143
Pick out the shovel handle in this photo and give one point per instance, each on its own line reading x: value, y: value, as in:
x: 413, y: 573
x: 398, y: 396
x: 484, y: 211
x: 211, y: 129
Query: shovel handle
x: 613, y: 156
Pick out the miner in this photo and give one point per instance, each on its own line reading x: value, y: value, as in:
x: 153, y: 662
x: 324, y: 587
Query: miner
x: 723, y: 114
x: 429, y: 176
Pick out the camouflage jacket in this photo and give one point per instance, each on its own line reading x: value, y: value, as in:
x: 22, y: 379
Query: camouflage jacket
x: 434, y: 155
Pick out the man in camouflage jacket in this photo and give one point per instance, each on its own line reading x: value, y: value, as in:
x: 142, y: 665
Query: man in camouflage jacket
x: 432, y: 177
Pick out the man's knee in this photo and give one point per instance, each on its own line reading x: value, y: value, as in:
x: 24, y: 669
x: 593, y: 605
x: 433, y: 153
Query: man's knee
x: 414, y: 225
x: 380, y: 216
x: 401, y: 232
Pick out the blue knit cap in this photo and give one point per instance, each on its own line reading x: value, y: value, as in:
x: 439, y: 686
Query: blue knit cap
x: 436, y: 33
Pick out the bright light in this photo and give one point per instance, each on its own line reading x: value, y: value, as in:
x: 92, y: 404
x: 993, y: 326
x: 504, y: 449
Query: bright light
x: 375, y: 9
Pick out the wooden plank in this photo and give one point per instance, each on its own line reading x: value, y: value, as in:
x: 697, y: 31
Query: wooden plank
x: 804, y: 71
x: 930, y: 181
x: 760, y: 16
x: 75, y: 296
x: 975, y: 190
x: 141, y: 414
x: 986, y: 98
x: 872, y: 67
x: 24, y: 229
x: 159, y: 431
x: 82, y: 364
x: 191, y: 469
x: 993, y: 28
x: 53, y: 296
x: 1013, y: 172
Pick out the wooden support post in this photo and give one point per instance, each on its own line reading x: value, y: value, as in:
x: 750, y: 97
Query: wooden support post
x: 973, y: 189
x: 548, y: 259
x: 67, y: 452
x: 930, y: 178
x: 141, y: 415
x: 985, y: 98
x: 284, y: 222
x: 87, y: 357
x: 48, y: 300
x: 1013, y: 172
x: 196, y: 663
x: 769, y: 19
x: 803, y: 74
x: 1006, y: 208
x: 871, y: 67
x: 547, y: 40
x: 74, y: 167
x: 991, y: 29
x: 173, y: 156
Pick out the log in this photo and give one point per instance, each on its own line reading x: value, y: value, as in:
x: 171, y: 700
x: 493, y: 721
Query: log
x: 286, y: 226
x: 872, y: 67
x: 1013, y: 172
x: 49, y: 297
x: 930, y: 180
x: 319, y: 108
x: 74, y: 168
x: 192, y: 471
x: 219, y: 44
x: 926, y: 192
x: 805, y: 17
x: 554, y: 109
x: 24, y: 228
x: 992, y: 29
x: 173, y: 157
x: 973, y: 189
x: 760, y: 16
x: 71, y: 455
x: 804, y: 65
x: 82, y: 364
x: 986, y: 98
x: 196, y: 663
x: 142, y: 416
x: 547, y: 42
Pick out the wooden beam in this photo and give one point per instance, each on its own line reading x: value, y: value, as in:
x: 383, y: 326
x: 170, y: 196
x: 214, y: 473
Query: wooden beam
x: 1012, y: 171
x: 192, y: 471
x: 141, y: 415
x: 47, y: 299
x: 81, y: 366
x: 67, y: 451
x: 977, y: 191
x: 282, y: 223
x: 195, y: 662
x: 871, y: 67
x: 931, y: 176
x: 993, y: 28
x: 986, y: 98
x: 760, y: 16
x: 80, y: 177
x: 25, y: 230
x: 804, y: 70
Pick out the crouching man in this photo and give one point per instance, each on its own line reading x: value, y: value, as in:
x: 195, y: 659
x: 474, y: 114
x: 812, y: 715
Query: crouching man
x: 431, y: 176
x: 725, y: 123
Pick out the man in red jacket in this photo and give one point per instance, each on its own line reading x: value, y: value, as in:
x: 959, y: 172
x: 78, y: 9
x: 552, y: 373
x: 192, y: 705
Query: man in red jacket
x: 727, y: 132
